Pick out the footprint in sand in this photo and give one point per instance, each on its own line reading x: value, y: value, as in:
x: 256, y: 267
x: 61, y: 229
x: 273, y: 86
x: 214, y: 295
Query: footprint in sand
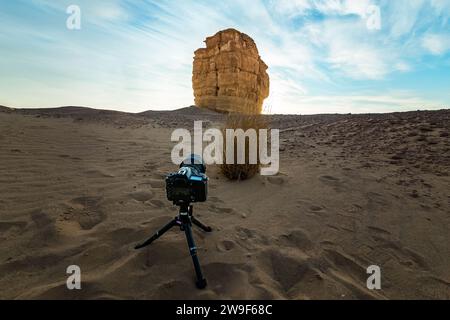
x: 46, y: 227
x: 376, y: 200
x: 228, y: 279
x: 141, y: 196
x: 297, y: 238
x: 250, y: 239
x: 226, y: 245
x: 276, y: 180
x: 11, y: 228
x: 334, y: 182
x: 288, y: 270
x: 7, y: 225
x: 404, y: 255
x: 414, y: 257
x: 87, y: 211
x: 244, y: 233
x: 316, y: 209
x: 41, y: 219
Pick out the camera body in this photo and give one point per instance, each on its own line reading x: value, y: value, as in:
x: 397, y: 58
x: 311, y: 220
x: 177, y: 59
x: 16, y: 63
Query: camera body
x: 189, y: 184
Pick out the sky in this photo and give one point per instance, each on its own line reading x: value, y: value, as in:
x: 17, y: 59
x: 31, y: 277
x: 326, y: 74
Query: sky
x: 335, y: 56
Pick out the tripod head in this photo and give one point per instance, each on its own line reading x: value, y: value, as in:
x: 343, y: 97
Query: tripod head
x: 185, y: 212
x: 182, y: 204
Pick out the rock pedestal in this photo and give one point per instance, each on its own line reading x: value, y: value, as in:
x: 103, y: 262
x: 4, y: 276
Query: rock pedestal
x: 229, y: 75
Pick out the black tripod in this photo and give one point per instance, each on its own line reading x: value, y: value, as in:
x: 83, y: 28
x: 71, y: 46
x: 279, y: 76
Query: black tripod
x: 184, y: 220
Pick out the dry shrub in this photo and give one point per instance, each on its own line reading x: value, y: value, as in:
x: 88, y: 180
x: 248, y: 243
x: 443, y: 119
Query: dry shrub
x: 242, y: 121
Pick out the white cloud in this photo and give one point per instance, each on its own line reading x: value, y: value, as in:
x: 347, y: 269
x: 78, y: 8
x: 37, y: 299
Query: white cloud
x: 290, y: 8
x: 294, y: 8
x: 442, y: 8
x: 402, y: 66
x: 351, y: 50
x: 362, y: 62
x: 343, y: 7
x: 436, y: 44
x: 403, y: 16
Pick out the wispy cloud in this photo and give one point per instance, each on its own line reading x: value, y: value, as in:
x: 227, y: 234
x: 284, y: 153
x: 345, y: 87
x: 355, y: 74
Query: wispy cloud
x: 437, y: 44
x: 138, y: 55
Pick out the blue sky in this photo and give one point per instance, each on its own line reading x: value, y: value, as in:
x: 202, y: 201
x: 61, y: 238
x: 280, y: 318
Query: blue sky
x: 137, y: 55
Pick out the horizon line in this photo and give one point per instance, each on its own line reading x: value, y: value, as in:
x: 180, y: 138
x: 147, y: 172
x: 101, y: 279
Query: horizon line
x: 200, y: 108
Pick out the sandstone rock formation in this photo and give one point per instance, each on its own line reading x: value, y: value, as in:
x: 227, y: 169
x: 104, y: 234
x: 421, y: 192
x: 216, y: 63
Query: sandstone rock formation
x: 229, y: 75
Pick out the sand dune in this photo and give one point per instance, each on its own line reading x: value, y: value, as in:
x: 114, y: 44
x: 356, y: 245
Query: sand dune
x: 82, y: 186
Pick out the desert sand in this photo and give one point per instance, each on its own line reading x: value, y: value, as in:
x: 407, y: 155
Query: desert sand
x: 82, y: 186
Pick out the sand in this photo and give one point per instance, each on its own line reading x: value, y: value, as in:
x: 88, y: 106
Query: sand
x: 82, y: 186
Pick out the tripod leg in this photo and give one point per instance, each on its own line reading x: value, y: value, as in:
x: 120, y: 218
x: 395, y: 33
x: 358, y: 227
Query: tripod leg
x: 200, y: 225
x: 158, y: 234
x: 201, y: 282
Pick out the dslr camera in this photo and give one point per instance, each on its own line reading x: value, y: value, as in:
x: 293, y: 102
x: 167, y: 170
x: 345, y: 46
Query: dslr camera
x: 189, y: 184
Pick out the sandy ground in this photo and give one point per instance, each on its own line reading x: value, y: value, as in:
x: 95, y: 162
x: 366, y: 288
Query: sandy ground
x: 80, y: 186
